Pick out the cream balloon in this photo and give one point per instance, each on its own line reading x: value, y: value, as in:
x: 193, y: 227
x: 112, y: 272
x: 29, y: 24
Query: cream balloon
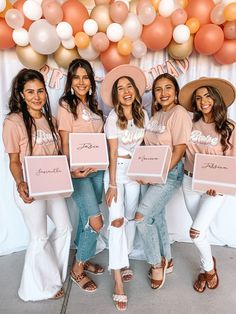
x: 166, y: 7
x: 181, y: 34
x: 132, y: 27
x: 89, y: 53
x: 63, y: 56
x: 30, y: 58
x: 64, y: 30
x: 69, y: 43
x: 139, y: 49
x: 90, y: 27
x: 100, y: 14
x: 14, y: 18
x: 32, y: 10
x: 115, y: 32
x: 20, y: 37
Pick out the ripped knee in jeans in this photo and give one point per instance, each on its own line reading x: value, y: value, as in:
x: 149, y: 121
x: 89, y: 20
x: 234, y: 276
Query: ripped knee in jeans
x: 117, y: 223
x: 96, y: 223
x: 138, y: 217
x: 194, y: 234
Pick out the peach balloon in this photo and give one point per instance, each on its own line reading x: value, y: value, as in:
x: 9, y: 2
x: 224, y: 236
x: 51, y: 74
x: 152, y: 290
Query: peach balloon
x: 30, y: 58
x: 201, y: 9
x: 180, y: 51
x: 118, y: 11
x: 179, y: 16
x: 230, y: 30
x: 100, y: 41
x: 82, y: 40
x: 111, y: 58
x: 52, y: 12
x: 230, y: 12
x: 157, y: 35
x: 226, y: 54
x: 63, y: 56
x: 100, y: 14
x: 6, y: 40
x: 124, y: 46
x: 19, y: 6
x: 75, y: 13
x: 193, y: 25
x: 209, y: 39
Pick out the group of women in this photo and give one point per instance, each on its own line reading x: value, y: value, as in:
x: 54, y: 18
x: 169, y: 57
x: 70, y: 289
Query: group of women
x: 30, y: 129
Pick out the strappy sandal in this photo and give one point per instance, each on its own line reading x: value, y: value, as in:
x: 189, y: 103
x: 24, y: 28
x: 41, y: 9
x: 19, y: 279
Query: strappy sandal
x: 58, y: 295
x: 157, y: 284
x: 93, y: 268
x: 169, y: 269
x: 209, y: 277
x: 88, y: 286
x: 127, y: 274
x: 200, y: 283
x: 120, y: 298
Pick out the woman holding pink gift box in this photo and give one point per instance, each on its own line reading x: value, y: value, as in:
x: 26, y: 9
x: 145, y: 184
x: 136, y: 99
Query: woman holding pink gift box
x: 28, y: 130
x: 165, y: 128
x: 79, y: 113
x: 212, y: 133
x: 124, y: 129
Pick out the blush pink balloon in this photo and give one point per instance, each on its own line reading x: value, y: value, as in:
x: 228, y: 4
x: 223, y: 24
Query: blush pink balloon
x: 209, y: 39
x: 230, y: 30
x: 141, y: 4
x: 226, y: 54
x: 52, y: 12
x: 118, y: 11
x: 100, y: 41
x: 178, y: 17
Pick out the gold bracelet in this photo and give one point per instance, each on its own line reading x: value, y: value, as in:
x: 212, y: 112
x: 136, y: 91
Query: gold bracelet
x: 112, y: 186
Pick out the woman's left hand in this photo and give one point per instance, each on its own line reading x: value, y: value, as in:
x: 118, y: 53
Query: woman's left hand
x: 211, y: 192
x: 110, y: 195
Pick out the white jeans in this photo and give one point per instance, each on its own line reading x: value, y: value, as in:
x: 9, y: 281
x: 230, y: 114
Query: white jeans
x: 46, y: 258
x: 121, y: 239
x: 202, y: 208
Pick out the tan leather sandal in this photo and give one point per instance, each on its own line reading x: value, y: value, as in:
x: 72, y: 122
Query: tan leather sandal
x: 118, y: 299
x: 210, y: 277
x: 200, y: 283
x: 157, y: 284
x: 58, y: 295
x: 169, y: 269
x: 88, y: 286
x: 93, y: 268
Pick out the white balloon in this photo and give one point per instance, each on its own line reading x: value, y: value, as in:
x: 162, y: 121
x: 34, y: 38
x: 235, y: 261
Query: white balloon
x: 166, y: 7
x: 88, y: 53
x: 21, y: 37
x: 181, y: 33
x: 2, y: 5
x: 132, y: 27
x: 90, y: 27
x: 115, y: 32
x: 226, y: 2
x: 139, y: 49
x: 32, y: 10
x: 69, y: 43
x: 64, y: 30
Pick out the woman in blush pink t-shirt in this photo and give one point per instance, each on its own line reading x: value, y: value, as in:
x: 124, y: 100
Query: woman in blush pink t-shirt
x: 78, y: 113
x: 170, y: 124
x: 30, y: 129
x: 212, y: 133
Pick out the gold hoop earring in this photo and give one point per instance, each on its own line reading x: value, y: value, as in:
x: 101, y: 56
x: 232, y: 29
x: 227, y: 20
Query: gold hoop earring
x: 90, y: 91
x: 72, y: 91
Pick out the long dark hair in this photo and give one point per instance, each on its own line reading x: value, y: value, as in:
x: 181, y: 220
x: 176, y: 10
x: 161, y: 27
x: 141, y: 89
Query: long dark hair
x: 155, y: 105
x: 71, y: 98
x: 222, y: 125
x: 137, y: 111
x: 17, y: 104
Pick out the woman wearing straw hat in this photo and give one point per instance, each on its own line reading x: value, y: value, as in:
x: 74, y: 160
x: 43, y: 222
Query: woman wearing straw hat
x: 124, y: 129
x: 165, y: 128
x: 212, y: 133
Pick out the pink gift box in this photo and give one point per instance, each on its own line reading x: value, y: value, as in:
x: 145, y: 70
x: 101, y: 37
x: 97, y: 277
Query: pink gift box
x: 88, y: 150
x: 150, y: 164
x: 47, y: 176
x: 214, y: 172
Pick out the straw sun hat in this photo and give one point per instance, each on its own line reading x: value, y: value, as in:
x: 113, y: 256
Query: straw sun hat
x: 225, y: 88
x: 123, y: 70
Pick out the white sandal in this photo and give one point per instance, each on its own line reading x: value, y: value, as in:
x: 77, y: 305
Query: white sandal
x: 120, y: 298
x: 127, y: 274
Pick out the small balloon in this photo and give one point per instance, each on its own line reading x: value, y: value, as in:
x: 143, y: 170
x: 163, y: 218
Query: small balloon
x: 64, y: 30
x: 124, y: 46
x: 90, y: 27
x: 181, y: 34
x: 132, y: 27
x: 2, y: 5
x: 193, y: 25
x: 179, y: 16
x: 100, y: 41
x: 147, y: 15
x: 111, y: 58
x: 180, y: 51
x: 100, y: 13
x: 20, y: 37
x: 115, y: 32
x: 82, y: 40
x: 230, y: 12
x: 230, y: 30
x: 32, y: 10
x: 69, y: 43
x: 217, y: 14
x: 63, y: 56
x: 118, y: 12
x: 53, y: 13
x: 89, y: 53
x: 166, y: 8
x: 30, y: 58
x: 18, y: 4
x: 14, y: 18
x: 200, y: 9
x: 139, y: 49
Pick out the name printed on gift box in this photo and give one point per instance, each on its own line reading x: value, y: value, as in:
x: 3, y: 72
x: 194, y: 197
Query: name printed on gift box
x: 144, y: 158
x: 50, y: 171
x: 86, y: 146
x: 213, y: 165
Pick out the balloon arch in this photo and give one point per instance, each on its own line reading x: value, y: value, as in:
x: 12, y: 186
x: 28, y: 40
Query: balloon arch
x: 116, y: 31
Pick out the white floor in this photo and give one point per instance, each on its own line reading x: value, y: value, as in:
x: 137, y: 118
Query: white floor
x: 176, y: 297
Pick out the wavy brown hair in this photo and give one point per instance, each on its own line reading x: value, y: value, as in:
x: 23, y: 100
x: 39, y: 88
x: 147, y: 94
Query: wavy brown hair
x: 70, y: 98
x: 222, y: 125
x: 17, y: 104
x: 137, y: 112
x: 155, y: 105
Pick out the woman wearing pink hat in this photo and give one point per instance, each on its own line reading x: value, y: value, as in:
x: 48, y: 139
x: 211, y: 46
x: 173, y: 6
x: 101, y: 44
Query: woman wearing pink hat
x: 124, y: 129
x: 212, y: 133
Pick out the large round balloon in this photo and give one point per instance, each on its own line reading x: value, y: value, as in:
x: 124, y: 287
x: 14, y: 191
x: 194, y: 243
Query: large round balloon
x: 43, y: 37
x: 100, y: 14
x: 157, y: 35
x: 226, y: 54
x: 75, y: 13
x: 63, y: 56
x: 30, y: 58
x: 209, y: 39
x: 100, y: 41
x: 201, y: 9
x: 6, y: 40
x: 180, y: 51
x: 111, y: 58
x: 18, y: 4
x: 230, y: 30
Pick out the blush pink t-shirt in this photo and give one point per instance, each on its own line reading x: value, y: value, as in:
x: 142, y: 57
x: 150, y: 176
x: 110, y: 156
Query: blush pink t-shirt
x: 205, y: 140
x: 171, y: 127
x: 15, y: 137
x: 87, y: 121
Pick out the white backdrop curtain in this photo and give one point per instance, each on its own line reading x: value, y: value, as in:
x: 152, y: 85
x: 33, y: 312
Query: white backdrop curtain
x: 13, y: 233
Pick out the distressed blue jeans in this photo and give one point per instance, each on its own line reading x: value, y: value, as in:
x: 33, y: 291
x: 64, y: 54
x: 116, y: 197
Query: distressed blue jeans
x: 87, y: 196
x: 152, y: 227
